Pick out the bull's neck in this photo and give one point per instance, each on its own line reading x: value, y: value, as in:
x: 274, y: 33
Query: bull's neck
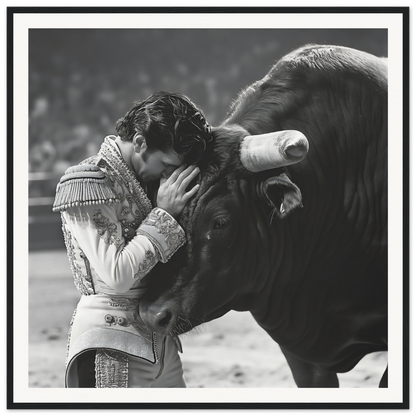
x: 281, y: 263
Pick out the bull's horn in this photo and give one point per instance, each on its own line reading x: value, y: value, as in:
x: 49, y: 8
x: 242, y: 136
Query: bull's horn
x: 273, y: 150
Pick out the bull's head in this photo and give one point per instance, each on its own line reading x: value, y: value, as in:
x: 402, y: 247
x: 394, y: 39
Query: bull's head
x: 226, y: 223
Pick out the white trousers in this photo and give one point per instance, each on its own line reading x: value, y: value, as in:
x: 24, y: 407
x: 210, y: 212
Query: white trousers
x: 115, y: 369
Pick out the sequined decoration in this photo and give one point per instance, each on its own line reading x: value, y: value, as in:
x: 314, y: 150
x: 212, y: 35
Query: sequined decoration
x: 88, y: 276
x: 146, y: 265
x: 166, y: 226
x: 106, y: 229
x: 111, y: 369
x: 122, y: 302
x: 82, y: 282
x: 124, y: 173
x: 129, y: 229
x: 69, y: 336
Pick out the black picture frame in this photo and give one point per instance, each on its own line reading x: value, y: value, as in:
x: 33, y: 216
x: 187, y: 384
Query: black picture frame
x: 22, y: 19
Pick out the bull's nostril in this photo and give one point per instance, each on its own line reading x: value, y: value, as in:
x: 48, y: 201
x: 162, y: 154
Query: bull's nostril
x: 164, y: 321
x: 159, y: 317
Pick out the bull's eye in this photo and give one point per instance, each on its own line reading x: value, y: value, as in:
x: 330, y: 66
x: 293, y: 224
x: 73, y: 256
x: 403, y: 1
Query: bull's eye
x: 221, y: 222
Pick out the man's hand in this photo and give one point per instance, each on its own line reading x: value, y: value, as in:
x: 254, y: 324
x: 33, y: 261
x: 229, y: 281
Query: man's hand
x: 172, y: 195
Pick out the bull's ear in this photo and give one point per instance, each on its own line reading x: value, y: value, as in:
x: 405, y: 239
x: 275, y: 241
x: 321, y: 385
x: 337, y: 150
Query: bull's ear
x: 282, y: 194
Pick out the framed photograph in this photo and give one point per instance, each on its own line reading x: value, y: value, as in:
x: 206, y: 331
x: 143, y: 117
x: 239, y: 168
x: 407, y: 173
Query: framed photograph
x: 271, y: 336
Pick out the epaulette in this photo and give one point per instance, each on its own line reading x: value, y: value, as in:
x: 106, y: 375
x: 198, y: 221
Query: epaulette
x: 83, y: 185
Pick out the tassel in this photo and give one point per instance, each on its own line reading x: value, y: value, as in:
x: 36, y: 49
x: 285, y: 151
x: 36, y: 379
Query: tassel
x: 83, y: 185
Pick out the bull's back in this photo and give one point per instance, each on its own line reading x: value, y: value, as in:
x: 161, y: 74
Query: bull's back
x: 337, y: 97
x: 344, y: 177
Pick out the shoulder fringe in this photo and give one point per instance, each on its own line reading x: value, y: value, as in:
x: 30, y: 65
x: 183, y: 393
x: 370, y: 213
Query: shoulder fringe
x: 83, y: 185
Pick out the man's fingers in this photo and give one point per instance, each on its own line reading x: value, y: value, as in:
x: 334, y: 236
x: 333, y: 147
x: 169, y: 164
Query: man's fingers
x: 188, y: 195
x: 187, y: 176
x: 186, y: 182
x: 175, y: 174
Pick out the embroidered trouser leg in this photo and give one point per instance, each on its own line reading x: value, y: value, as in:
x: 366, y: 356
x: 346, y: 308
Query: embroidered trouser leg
x: 111, y: 369
x: 116, y: 369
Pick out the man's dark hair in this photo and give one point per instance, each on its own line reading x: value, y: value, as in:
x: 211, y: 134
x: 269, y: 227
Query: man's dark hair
x: 168, y: 121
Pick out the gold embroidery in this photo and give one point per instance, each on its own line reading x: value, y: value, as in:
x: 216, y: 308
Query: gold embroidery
x: 69, y: 336
x: 146, y: 265
x: 88, y: 277
x: 165, y: 225
x: 106, y: 229
x: 82, y: 282
x: 111, y: 369
x: 124, y: 212
x: 123, y: 302
x: 125, y: 174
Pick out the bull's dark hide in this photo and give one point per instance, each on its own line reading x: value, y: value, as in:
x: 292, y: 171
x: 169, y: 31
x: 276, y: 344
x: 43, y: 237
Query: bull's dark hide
x: 304, y: 247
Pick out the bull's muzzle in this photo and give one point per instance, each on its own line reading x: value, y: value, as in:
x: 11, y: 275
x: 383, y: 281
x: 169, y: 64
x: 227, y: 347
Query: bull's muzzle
x: 159, y: 317
x: 273, y: 150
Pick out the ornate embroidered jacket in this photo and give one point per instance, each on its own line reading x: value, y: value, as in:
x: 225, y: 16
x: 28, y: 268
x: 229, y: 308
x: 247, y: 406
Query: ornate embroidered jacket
x: 113, y: 239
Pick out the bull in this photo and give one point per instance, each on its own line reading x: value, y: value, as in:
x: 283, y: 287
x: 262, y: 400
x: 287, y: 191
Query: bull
x: 300, y: 242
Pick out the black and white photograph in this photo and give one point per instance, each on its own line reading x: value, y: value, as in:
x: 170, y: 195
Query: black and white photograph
x: 209, y: 202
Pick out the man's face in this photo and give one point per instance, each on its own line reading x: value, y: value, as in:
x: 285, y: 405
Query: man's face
x: 153, y: 165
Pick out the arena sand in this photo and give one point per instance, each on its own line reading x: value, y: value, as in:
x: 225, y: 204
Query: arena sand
x: 232, y: 351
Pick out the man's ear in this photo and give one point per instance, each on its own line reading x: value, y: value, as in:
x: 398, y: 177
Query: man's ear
x: 282, y: 194
x: 139, y: 143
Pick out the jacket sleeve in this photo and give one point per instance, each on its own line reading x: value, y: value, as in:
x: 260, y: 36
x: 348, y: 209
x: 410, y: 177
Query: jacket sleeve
x: 120, y: 264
